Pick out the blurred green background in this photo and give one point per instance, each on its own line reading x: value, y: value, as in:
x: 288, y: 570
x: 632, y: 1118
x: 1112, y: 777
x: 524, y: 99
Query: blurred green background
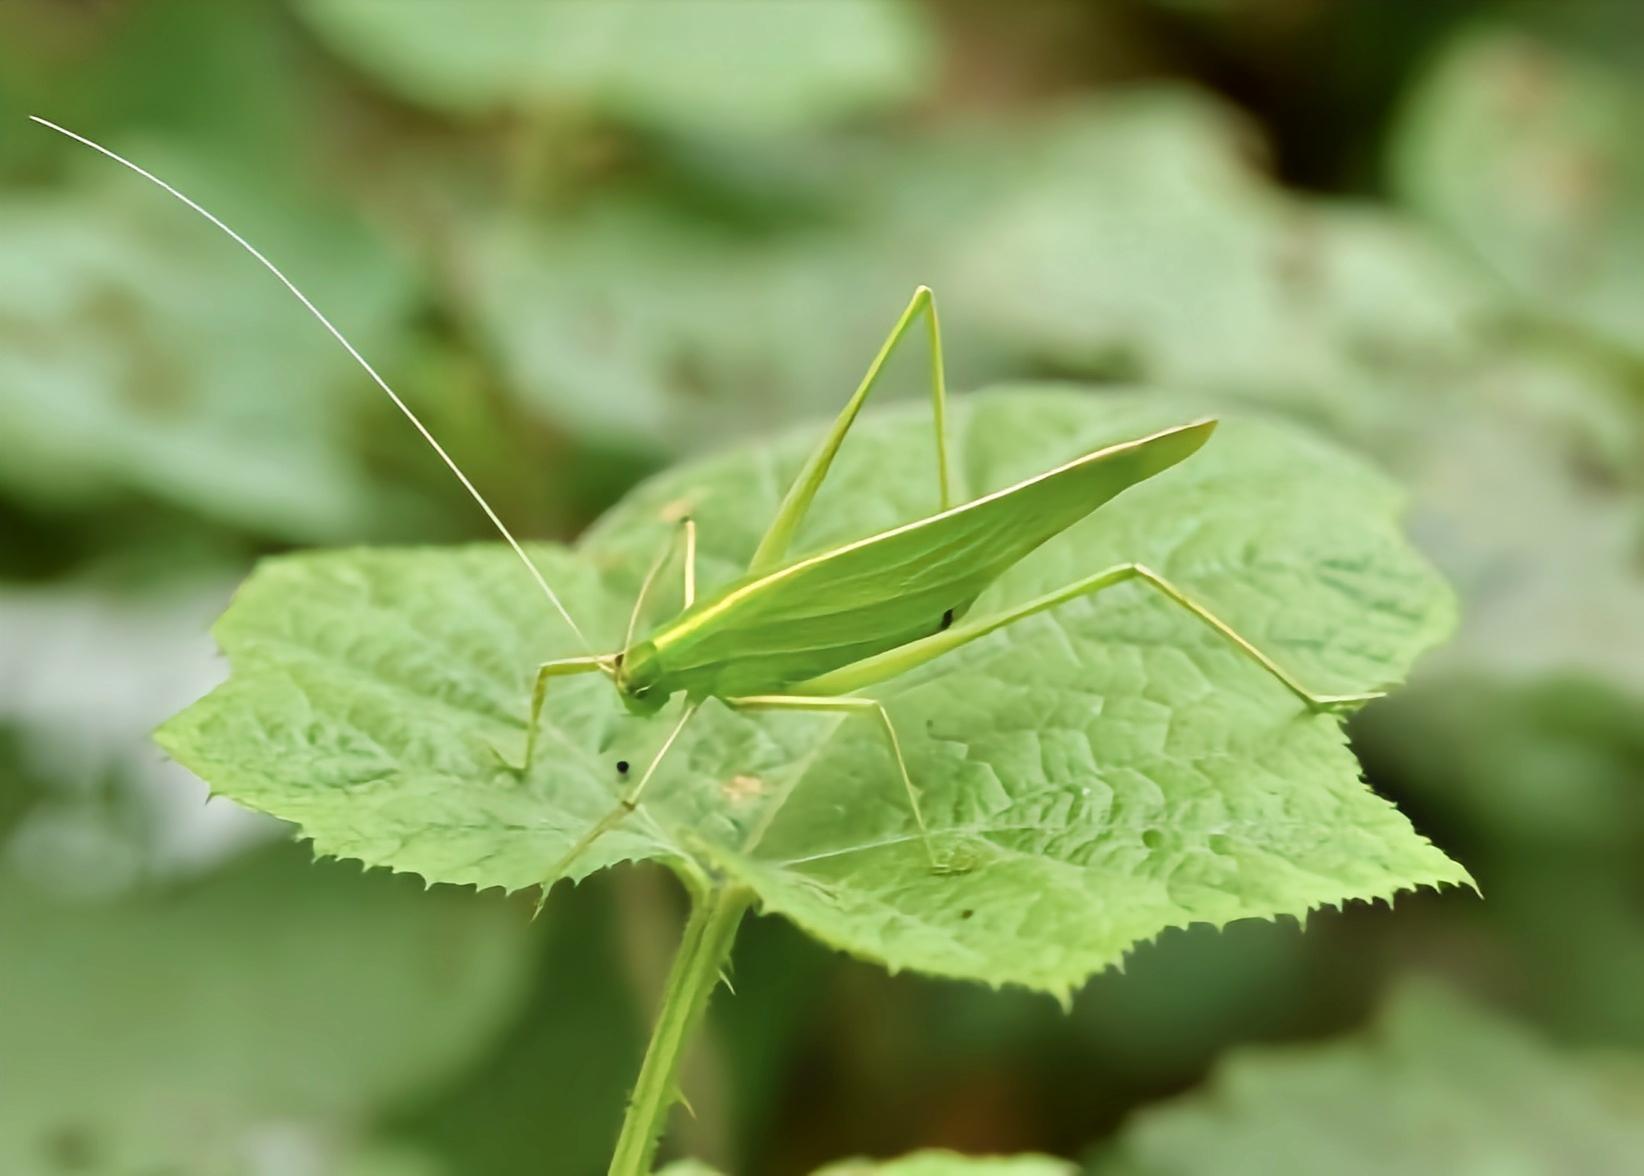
x: 585, y: 239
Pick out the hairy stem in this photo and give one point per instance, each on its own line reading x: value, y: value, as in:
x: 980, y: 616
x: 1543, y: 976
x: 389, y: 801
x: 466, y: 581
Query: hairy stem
x: 702, y: 953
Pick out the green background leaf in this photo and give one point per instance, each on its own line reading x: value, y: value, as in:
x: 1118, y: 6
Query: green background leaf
x: 1437, y: 1087
x: 143, y: 356
x: 718, y: 63
x: 1526, y: 153
x: 947, y: 1163
x: 129, y: 1025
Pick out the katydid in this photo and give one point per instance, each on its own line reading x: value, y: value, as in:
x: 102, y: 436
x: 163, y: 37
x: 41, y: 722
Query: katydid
x: 807, y: 633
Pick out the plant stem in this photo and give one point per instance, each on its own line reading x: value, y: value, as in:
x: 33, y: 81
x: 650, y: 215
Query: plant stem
x: 702, y: 953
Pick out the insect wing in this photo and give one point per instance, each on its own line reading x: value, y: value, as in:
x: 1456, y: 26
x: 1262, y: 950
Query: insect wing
x: 835, y: 607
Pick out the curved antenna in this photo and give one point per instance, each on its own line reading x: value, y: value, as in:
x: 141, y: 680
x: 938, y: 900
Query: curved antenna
x: 536, y: 573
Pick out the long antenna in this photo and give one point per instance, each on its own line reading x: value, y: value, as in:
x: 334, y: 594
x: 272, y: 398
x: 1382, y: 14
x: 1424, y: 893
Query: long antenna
x: 536, y: 573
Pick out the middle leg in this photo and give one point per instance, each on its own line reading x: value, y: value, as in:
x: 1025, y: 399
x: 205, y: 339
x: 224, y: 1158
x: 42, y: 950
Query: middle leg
x: 858, y: 706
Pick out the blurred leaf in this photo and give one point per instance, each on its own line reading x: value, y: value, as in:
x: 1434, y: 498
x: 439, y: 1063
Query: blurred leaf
x: 1529, y: 156
x: 1139, y: 240
x: 370, y: 691
x: 1567, y: 929
x: 272, y: 1009
x: 387, y: 1160
x: 688, y: 1168
x: 95, y: 671
x: 713, y: 63
x: 1528, y: 496
x: 145, y: 355
x: 1539, y: 783
x: 1159, y: 1018
x: 1438, y: 1086
x: 941, y: 1163
x: 640, y: 323
x: 924, y: 1163
x: 225, y: 79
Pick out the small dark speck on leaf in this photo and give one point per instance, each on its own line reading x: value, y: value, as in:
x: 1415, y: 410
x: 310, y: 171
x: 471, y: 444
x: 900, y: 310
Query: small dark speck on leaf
x: 622, y: 767
x: 966, y: 914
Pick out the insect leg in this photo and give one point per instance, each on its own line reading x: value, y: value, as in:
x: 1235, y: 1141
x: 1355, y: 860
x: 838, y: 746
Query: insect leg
x: 1319, y: 703
x: 797, y: 501
x: 690, y: 561
x: 687, y: 531
x: 560, y: 668
x: 628, y: 803
x: 895, y: 661
x: 865, y: 706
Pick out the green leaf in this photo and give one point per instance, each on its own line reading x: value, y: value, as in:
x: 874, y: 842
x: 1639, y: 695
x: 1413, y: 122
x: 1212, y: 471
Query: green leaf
x: 688, y: 1168
x: 1437, y: 1086
x: 1137, y: 238
x: 146, y: 357
x: 1525, y: 476
x: 942, y: 1163
x: 635, y: 322
x: 924, y: 1163
x: 275, y: 1006
x: 1528, y: 155
x: 1109, y: 771
x: 112, y: 813
x: 720, y: 64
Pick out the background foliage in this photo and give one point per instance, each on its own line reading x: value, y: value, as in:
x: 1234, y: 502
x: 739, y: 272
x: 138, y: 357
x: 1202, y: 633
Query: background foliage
x: 589, y: 239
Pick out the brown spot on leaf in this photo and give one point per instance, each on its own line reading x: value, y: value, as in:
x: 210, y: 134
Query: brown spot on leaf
x: 742, y: 789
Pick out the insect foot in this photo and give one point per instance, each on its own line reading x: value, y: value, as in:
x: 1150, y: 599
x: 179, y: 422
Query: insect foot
x: 1342, y: 704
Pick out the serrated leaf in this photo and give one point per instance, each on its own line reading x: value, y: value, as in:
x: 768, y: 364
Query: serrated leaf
x: 275, y: 1006
x: 1110, y: 770
x: 1438, y: 1086
x: 718, y: 64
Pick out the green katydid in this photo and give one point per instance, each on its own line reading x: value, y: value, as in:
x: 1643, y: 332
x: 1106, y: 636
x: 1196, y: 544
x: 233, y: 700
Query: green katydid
x: 808, y: 633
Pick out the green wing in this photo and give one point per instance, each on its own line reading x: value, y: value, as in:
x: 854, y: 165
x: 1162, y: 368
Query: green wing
x: 817, y: 613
